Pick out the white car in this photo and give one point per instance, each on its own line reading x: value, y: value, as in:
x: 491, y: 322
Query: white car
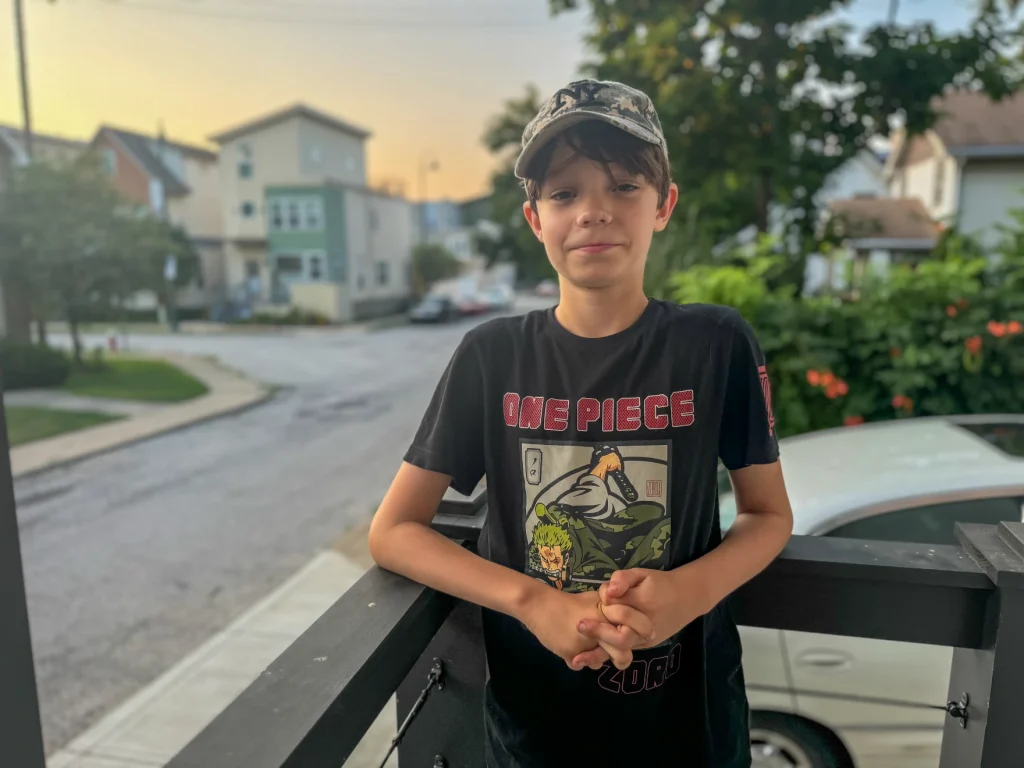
x: 824, y: 701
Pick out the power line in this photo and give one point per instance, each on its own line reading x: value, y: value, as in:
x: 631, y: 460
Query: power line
x: 430, y: 20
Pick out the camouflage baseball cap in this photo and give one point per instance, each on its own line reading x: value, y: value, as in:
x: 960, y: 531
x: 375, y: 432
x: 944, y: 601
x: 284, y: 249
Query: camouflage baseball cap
x: 610, y: 102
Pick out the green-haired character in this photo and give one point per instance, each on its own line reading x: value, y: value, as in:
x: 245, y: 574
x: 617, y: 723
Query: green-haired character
x: 551, y: 553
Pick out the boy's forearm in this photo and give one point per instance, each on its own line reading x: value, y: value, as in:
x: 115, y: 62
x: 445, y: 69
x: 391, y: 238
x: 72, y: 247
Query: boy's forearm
x: 749, y: 547
x: 424, y: 555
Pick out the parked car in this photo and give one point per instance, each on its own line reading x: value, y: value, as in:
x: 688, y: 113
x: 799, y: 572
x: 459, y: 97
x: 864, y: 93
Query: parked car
x: 499, y: 298
x: 546, y: 288
x: 823, y: 701
x: 469, y: 304
x: 433, y: 309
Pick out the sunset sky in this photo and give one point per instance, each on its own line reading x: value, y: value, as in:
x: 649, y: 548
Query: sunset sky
x: 423, y: 75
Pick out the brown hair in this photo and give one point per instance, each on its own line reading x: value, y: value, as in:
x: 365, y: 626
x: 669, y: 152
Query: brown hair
x: 605, y: 144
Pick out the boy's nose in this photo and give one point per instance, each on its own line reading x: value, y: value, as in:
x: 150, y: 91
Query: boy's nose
x: 593, y: 214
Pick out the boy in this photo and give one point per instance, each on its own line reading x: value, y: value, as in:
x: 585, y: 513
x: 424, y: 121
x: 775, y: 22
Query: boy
x: 599, y: 426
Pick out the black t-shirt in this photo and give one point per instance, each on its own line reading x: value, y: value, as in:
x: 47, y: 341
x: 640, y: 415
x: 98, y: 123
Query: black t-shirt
x: 603, y: 454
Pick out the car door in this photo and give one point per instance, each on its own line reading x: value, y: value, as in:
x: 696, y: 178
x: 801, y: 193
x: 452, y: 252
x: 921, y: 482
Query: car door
x: 881, y: 697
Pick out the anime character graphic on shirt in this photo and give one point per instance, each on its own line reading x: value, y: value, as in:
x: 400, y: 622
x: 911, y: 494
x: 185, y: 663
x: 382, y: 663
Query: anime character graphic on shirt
x: 593, y: 509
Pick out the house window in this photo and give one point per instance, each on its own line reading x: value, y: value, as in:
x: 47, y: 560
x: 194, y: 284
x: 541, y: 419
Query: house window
x: 276, y: 216
x: 252, y: 269
x: 316, y: 154
x: 314, y: 214
x: 109, y: 158
x: 361, y: 282
x: 248, y: 209
x: 382, y: 272
x: 940, y: 183
x: 288, y: 264
x: 245, y: 169
x: 294, y: 220
x: 316, y: 267
x: 374, y: 222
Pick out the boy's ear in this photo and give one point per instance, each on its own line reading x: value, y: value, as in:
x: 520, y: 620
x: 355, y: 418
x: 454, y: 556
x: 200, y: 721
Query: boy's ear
x: 533, y: 219
x: 665, y: 212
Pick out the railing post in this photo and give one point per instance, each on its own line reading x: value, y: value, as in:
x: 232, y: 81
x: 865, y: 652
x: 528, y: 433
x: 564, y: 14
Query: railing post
x: 21, y: 734
x: 988, y: 732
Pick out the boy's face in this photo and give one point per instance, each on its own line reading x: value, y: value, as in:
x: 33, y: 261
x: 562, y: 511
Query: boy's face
x: 596, y: 230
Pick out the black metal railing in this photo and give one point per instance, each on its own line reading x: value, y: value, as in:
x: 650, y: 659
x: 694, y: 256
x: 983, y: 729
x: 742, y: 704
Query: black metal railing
x: 311, y: 707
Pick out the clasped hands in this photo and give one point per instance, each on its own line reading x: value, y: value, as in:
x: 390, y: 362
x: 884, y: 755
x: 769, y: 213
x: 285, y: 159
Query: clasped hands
x: 636, y: 608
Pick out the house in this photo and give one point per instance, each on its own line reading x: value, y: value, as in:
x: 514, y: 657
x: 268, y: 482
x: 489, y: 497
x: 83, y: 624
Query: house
x: 968, y: 170
x: 301, y: 224
x: 46, y: 148
x: 178, y: 182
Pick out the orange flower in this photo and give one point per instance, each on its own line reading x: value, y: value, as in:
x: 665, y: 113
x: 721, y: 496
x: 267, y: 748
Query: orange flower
x: 973, y: 344
x: 832, y: 391
x: 1014, y: 327
x: 842, y: 388
x: 951, y: 310
x: 852, y: 421
x: 813, y: 378
x: 903, y: 402
x: 996, y: 329
x: 827, y: 379
x: 895, y: 352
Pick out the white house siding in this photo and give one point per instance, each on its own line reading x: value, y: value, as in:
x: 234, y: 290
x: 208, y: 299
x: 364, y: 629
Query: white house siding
x: 858, y: 176
x: 379, y: 230
x: 326, y: 154
x: 199, y: 212
x: 988, y: 194
x: 274, y: 156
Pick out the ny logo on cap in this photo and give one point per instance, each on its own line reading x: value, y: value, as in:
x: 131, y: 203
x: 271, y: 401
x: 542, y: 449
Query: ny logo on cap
x: 575, y: 95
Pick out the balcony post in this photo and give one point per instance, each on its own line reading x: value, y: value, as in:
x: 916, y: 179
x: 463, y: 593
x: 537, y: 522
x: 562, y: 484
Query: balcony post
x: 990, y: 680
x: 21, y: 733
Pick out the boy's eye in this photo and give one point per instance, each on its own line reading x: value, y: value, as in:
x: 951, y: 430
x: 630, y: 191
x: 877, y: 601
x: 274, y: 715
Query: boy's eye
x: 561, y: 195
x: 627, y: 187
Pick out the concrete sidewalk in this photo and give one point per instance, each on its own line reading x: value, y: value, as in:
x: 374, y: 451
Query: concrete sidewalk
x: 228, y: 392
x: 148, y: 729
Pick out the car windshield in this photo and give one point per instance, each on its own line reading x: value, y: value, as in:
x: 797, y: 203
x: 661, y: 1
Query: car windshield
x: 1008, y: 438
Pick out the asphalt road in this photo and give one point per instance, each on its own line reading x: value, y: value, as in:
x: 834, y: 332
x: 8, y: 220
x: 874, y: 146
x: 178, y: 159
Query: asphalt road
x: 134, y: 558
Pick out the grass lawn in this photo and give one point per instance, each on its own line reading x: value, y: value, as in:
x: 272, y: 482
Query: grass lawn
x: 27, y: 424
x: 149, y: 380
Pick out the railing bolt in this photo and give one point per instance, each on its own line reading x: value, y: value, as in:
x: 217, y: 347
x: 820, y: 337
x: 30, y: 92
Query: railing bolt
x: 958, y: 709
x: 440, y: 762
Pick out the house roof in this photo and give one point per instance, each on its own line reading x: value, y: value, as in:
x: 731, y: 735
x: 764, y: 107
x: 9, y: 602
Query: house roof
x: 297, y: 110
x: 141, y: 148
x: 973, y: 125
x: 885, y: 218
x: 14, y: 138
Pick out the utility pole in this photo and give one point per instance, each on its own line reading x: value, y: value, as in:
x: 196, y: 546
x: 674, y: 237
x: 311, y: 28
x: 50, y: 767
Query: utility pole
x: 19, y: 34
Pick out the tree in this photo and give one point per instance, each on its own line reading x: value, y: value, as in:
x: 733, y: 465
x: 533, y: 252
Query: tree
x: 432, y: 262
x: 762, y: 100
x: 516, y: 242
x: 75, y: 244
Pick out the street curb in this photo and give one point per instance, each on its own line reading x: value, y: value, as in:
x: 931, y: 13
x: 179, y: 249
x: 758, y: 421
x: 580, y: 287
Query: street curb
x: 265, y: 394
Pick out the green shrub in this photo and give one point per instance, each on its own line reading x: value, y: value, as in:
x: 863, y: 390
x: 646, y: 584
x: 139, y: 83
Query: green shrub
x: 26, y: 366
x: 944, y: 337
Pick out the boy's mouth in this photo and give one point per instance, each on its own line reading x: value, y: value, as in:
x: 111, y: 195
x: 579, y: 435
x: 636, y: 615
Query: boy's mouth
x: 595, y: 247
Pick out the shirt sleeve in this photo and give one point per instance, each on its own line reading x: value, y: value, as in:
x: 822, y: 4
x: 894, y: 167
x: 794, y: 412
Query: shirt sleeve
x: 450, y: 438
x: 747, y: 433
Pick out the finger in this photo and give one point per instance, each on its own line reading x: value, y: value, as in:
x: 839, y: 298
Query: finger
x: 627, y: 616
x: 620, y: 657
x: 607, y: 634
x: 622, y: 581
x: 595, y: 659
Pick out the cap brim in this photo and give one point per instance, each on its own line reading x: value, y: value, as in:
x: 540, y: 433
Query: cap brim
x: 563, y: 122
